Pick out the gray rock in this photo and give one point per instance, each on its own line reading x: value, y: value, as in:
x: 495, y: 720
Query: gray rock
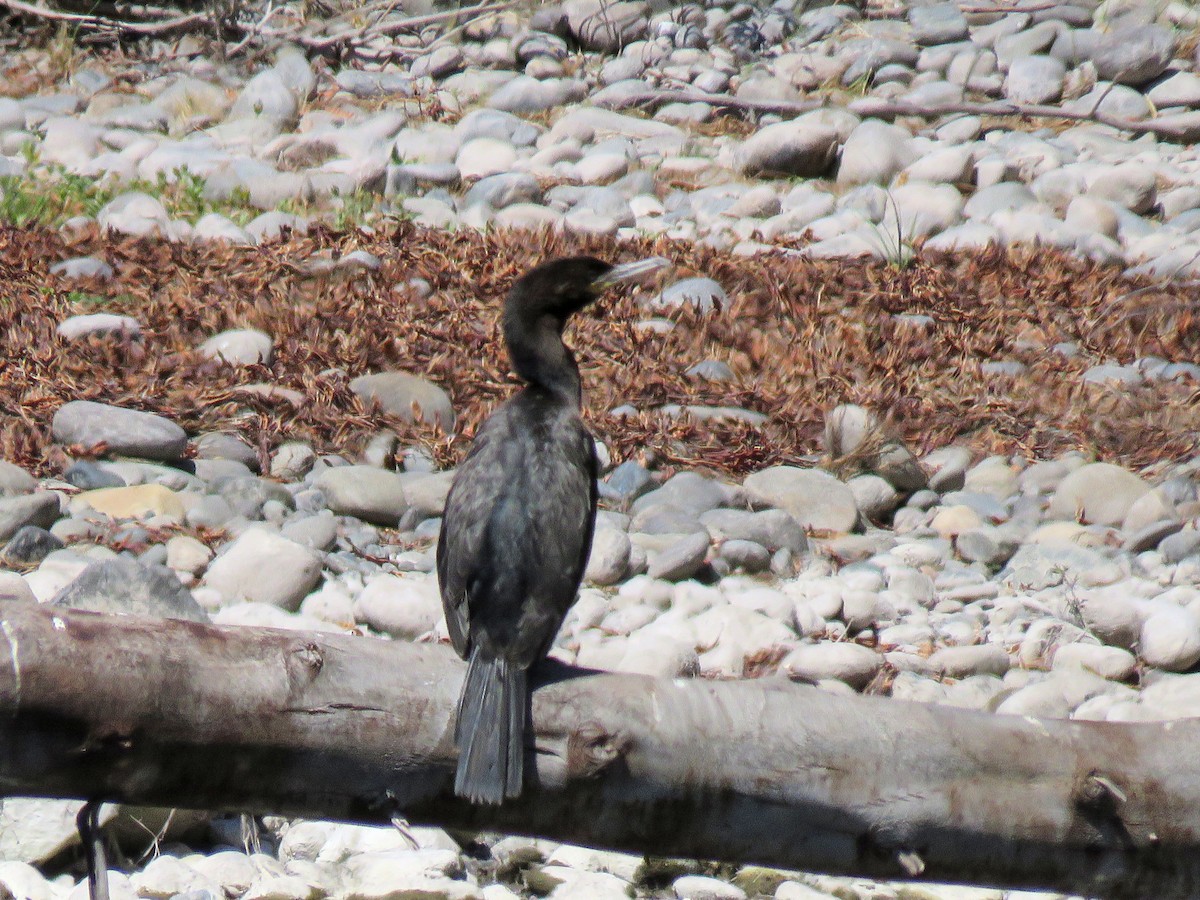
x: 15, y: 480
x: 1114, y: 100
x: 130, y: 588
x: 848, y: 427
x: 238, y: 574
x: 1035, y: 79
x: 1109, y: 374
x: 974, y: 659
x: 405, y: 607
x: 986, y: 544
x: 626, y: 482
x: 365, y: 84
x: 496, y: 123
x: 1132, y: 185
x: 76, y: 327
x: 1148, y: 537
x: 239, y: 347
x: 1171, y: 638
x: 373, y: 495
x: 216, y: 227
x: 30, y: 544
x: 665, y: 518
x: 82, y: 267
x: 217, y: 445
x: 249, y: 496
x: 948, y: 467
x: 867, y: 55
x: 813, y: 498
x: 27, y: 509
x: 938, y: 23
x: 127, y: 432
x: 318, y: 532
x: 609, y: 559
x: 88, y: 476
x: 529, y: 95
x: 682, y: 559
x: 703, y: 887
x: 988, y: 201
x: 606, y: 27
x: 1180, y: 546
x: 1112, y: 663
x: 749, y: 556
x: 275, y: 226
x: 874, y: 496
x: 702, y: 294
x: 135, y: 214
x: 772, y: 528
x: 1039, y: 566
x: 1134, y: 55
x: 874, y: 153
x: 398, y: 392
x: 1180, y: 89
x: 426, y: 492
x: 711, y: 370
x: 689, y: 492
x: 266, y: 97
x: 852, y: 663
x: 1096, y: 493
x: 799, y: 148
x: 506, y: 189
x: 1030, y: 42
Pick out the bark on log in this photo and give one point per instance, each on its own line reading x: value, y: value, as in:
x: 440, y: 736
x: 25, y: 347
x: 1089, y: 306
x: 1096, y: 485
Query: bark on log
x: 175, y: 713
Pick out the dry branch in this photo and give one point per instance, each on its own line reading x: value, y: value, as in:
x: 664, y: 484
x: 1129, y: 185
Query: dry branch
x: 889, y: 109
x: 105, y: 24
x: 174, y: 713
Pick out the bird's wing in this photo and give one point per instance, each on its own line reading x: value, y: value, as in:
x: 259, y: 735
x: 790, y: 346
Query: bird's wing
x: 464, y: 523
x: 517, y: 532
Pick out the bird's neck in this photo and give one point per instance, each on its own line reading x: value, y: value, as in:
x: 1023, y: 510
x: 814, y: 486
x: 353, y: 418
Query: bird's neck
x: 540, y: 357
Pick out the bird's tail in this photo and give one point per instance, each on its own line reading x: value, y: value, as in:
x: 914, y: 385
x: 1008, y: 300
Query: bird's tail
x: 490, y: 731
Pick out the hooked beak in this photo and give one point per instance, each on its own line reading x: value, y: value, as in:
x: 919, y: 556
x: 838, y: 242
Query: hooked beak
x: 631, y: 271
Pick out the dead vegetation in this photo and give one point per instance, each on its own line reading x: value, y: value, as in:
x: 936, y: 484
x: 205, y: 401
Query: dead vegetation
x: 800, y: 336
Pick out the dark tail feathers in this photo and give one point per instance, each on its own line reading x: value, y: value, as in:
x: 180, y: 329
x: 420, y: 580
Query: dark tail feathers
x: 490, y: 731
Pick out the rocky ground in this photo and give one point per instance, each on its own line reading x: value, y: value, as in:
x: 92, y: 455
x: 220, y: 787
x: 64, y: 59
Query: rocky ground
x: 915, y: 412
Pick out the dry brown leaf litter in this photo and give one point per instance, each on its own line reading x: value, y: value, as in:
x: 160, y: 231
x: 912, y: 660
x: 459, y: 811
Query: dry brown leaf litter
x: 800, y: 336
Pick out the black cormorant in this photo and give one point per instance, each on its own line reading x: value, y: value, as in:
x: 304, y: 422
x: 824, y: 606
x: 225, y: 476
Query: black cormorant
x: 518, y: 523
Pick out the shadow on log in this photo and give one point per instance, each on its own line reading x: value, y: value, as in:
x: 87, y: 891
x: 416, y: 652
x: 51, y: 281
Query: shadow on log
x: 174, y: 713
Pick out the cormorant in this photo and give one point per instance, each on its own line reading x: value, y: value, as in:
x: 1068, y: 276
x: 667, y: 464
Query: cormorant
x: 517, y: 528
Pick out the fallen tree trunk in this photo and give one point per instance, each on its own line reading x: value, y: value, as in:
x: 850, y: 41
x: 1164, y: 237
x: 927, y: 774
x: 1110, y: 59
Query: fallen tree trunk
x: 174, y: 713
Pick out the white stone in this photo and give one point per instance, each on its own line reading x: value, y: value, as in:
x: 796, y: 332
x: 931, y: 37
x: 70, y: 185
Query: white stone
x: 1098, y: 493
x: 814, y: 498
x: 485, y: 156
x: 788, y: 148
x: 22, y: 881
x: 1171, y: 638
x: 366, y: 492
x: 186, y: 554
x: 166, y: 876
x: 1107, y: 662
x: 406, y: 606
x: 239, y: 347
x: 874, y: 152
x: 701, y: 887
x: 261, y: 566
x: 854, y: 664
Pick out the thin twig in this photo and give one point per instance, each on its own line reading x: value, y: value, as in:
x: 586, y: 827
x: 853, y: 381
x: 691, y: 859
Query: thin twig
x: 359, y: 34
x: 101, y: 23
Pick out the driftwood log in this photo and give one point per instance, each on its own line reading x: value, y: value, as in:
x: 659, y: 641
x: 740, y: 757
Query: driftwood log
x: 174, y: 713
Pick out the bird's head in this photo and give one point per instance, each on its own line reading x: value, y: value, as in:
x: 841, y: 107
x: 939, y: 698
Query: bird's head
x: 561, y: 287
